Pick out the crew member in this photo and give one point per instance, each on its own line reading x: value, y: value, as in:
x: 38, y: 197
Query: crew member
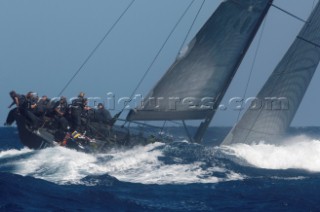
x: 29, y: 109
x: 77, y: 108
x: 103, y: 117
x: 17, y: 100
x: 42, y: 106
x: 60, y: 111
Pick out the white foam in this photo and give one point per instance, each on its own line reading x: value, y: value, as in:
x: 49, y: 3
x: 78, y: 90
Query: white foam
x: 296, y: 153
x: 57, y: 165
x: 13, y: 152
x: 139, y: 165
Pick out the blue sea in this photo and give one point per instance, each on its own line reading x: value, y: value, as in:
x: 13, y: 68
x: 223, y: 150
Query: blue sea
x: 179, y: 176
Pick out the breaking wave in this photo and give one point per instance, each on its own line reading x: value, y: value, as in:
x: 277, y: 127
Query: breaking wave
x: 158, y: 163
x: 153, y: 164
x: 296, y: 153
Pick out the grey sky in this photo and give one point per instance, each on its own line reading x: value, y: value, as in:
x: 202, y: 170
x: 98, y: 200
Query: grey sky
x: 42, y: 44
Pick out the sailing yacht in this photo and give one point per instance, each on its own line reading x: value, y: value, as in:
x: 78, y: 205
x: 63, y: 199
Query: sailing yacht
x: 196, y: 82
x: 208, y: 64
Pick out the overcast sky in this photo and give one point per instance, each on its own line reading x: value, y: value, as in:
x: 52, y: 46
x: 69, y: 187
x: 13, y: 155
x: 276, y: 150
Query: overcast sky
x: 43, y: 43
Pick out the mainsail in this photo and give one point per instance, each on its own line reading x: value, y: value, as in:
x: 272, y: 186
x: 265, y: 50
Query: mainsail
x: 194, y: 85
x: 272, y: 112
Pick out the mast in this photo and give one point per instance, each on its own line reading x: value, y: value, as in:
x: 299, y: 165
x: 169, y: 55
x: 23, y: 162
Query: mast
x: 195, y: 84
x: 271, y: 113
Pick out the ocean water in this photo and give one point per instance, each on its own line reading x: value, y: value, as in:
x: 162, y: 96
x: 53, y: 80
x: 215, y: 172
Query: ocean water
x: 179, y: 176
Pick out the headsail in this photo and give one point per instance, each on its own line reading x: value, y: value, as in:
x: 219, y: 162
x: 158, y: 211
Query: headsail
x: 280, y: 97
x: 194, y: 85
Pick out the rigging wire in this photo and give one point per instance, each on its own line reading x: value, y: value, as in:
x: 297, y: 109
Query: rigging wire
x: 163, y: 126
x: 157, y: 55
x: 192, y: 25
x: 252, y: 67
x: 187, y: 35
x: 160, y: 50
x: 96, y: 48
x: 288, y: 13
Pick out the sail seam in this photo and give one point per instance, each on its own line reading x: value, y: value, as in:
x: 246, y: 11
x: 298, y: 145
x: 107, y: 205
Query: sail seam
x: 261, y: 132
x: 300, y: 61
x: 308, y: 41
